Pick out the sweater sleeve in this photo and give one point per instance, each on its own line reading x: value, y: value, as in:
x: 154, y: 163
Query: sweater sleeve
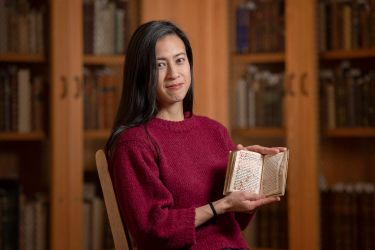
x: 227, y: 139
x: 146, y: 205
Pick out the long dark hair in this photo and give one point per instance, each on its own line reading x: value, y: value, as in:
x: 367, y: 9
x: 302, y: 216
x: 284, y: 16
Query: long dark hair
x: 138, y: 102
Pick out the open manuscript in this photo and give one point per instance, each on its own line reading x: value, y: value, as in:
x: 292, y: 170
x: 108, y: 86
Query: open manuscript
x: 257, y: 173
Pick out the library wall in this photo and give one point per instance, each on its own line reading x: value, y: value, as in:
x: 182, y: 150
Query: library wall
x: 328, y: 118
x: 250, y: 60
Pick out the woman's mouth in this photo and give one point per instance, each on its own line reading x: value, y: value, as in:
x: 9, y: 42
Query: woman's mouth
x: 175, y: 86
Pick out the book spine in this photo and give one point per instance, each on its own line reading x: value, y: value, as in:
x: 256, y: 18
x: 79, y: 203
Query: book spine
x: 4, y: 18
x: 119, y: 31
x: 24, y: 102
x: 242, y: 29
x: 241, y: 89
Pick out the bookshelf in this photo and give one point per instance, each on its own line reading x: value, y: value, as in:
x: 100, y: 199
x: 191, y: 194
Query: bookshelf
x: 266, y: 65
x: 324, y: 145
x: 102, y: 65
x: 103, y: 60
x: 71, y: 146
x: 348, y: 54
x: 64, y: 149
x: 259, y: 58
x: 97, y: 134
x: 347, y: 133
x: 24, y: 58
x: 53, y: 159
x: 350, y: 132
x: 24, y: 182
x: 260, y: 132
x: 16, y: 136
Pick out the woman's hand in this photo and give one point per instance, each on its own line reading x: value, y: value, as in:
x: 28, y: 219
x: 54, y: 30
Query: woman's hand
x: 240, y: 201
x: 262, y: 150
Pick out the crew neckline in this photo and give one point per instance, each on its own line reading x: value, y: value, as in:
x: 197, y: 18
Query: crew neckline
x: 188, y: 123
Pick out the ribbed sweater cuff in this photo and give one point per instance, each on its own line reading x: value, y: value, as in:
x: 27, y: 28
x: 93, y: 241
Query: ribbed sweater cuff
x: 190, y: 221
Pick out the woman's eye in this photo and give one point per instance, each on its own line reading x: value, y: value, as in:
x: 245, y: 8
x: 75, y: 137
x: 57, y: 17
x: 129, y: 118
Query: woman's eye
x: 180, y: 60
x: 161, y: 65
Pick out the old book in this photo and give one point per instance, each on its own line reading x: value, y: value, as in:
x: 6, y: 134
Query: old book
x: 24, y: 100
x: 257, y: 173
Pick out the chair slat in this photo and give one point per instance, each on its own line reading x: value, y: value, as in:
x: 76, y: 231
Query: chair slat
x: 117, y: 227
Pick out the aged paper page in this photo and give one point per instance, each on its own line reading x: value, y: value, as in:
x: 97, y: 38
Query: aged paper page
x: 273, y: 177
x: 247, y: 171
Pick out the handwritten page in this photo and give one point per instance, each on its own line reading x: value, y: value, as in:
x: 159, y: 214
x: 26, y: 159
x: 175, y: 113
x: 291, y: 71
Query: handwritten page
x: 271, y: 177
x: 247, y: 171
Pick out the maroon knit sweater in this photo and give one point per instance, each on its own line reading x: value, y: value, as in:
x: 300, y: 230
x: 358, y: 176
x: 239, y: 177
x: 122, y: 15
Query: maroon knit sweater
x: 162, y: 175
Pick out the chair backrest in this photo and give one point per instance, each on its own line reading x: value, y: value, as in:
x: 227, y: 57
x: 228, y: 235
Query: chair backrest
x: 119, y: 230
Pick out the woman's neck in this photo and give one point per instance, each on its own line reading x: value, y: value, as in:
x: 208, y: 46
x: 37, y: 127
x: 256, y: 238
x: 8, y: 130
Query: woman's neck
x: 175, y: 113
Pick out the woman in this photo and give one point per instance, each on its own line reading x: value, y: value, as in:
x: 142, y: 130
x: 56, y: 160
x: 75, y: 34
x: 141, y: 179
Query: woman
x: 167, y: 164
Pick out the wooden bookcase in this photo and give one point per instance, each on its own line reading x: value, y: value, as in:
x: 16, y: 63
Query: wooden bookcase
x: 68, y: 149
x: 53, y: 160
x: 23, y: 135
x: 336, y: 155
x: 74, y: 148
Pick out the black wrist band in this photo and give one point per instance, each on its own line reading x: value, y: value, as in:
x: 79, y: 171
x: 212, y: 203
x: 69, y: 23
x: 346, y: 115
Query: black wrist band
x: 213, y: 211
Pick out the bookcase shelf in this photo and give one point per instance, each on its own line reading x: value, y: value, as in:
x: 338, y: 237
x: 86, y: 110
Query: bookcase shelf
x: 348, y: 54
x: 93, y: 134
x: 350, y: 132
x: 27, y: 58
x: 103, y: 60
x: 15, y: 136
x: 260, y: 132
x: 259, y: 58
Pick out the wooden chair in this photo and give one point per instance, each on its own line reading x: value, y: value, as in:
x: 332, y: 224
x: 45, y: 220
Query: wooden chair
x: 120, y: 233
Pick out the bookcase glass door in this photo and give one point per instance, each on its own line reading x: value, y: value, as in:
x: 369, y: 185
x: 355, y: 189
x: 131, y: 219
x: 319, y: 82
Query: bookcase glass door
x: 257, y: 99
x: 24, y: 75
x: 347, y: 109
x: 103, y: 64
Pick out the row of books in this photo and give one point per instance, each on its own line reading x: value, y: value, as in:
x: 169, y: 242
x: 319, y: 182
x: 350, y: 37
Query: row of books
x: 348, y: 216
x: 346, y: 24
x: 101, y: 88
x: 105, y: 26
x: 348, y: 97
x: 96, y: 232
x: 22, y: 100
x: 260, y: 26
x: 347, y: 219
x: 21, y: 27
x: 259, y: 99
x: 23, y: 220
x: 271, y: 226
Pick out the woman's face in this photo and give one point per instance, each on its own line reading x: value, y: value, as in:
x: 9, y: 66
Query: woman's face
x: 174, y: 71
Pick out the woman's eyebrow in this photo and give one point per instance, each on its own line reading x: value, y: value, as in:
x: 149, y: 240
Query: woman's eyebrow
x: 177, y: 55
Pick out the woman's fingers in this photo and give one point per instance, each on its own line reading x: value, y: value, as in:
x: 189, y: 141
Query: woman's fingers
x: 261, y: 149
x: 265, y: 150
x: 263, y: 201
x: 282, y: 149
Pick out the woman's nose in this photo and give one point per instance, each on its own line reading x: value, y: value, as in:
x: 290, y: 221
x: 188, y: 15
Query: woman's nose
x: 172, y: 72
